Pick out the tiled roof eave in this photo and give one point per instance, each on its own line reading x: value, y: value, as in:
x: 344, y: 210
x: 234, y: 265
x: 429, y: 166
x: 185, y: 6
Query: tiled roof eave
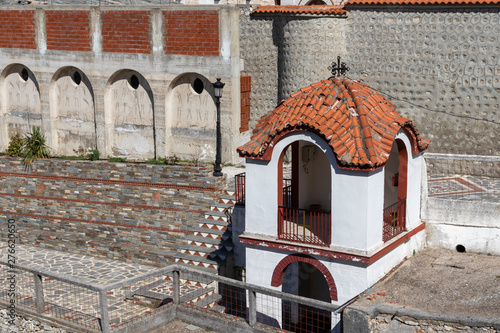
x: 336, y: 11
x: 419, y: 3
x: 357, y: 123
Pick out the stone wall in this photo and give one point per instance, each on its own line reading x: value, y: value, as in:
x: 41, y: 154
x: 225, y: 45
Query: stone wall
x: 122, y: 211
x: 440, y: 66
x: 356, y: 321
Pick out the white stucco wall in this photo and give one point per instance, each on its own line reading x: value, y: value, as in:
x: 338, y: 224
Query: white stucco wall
x: 352, y: 227
x: 414, y: 181
x: 381, y: 267
x: 472, y: 224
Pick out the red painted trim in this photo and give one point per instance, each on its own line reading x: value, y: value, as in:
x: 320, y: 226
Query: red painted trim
x: 304, y: 249
x: 402, y: 170
x: 295, y: 174
x: 101, y: 203
x: 37, y: 216
x: 108, y: 181
x: 279, y: 272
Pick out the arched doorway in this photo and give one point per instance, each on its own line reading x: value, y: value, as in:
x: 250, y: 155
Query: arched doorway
x: 304, y: 194
x: 307, y: 277
x: 395, y: 190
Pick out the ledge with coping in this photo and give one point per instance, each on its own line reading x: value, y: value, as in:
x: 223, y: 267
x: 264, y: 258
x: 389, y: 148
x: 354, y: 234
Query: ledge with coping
x: 368, y: 258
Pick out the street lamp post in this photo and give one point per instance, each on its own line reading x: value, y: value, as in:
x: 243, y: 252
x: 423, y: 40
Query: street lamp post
x: 218, y: 94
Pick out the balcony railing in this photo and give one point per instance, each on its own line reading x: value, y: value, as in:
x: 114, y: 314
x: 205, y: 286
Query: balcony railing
x: 287, y: 192
x: 394, y: 220
x: 304, y: 226
x: 239, y: 189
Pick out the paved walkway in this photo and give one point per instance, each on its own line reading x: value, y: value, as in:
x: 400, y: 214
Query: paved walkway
x: 441, y: 282
x: 86, y: 268
x: 80, y: 305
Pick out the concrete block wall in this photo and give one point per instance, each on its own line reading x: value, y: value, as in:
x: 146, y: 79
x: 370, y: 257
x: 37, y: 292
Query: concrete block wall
x: 124, y: 211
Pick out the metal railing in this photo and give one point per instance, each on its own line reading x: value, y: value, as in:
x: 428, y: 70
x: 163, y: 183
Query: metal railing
x: 394, y: 220
x: 131, y: 303
x: 287, y: 193
x: 239, y: 189
x: 304, y: 226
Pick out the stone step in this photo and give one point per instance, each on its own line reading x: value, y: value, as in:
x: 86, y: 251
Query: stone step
x: 227, y: 199
x: 220, y: 207
x: 214, y: 222
x: 198, y: 261
x: 216, y: 227
x: 207, y: 302
x: 224, y: 234
x: 197, y: 293
x: 218, y: 308
x: 214, y: 215
x: 204, y: 240
x: 201, y: 268
x: 226, y: 245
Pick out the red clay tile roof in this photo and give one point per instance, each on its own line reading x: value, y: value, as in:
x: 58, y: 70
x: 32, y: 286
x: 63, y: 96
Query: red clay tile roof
x: 355, y: 120
x: 316, y: 10
x: 421, y: 2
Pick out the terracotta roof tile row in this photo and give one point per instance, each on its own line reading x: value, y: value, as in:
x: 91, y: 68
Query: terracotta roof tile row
x: 355, y: 120
x: 422, y: 2
x: 316, y: 10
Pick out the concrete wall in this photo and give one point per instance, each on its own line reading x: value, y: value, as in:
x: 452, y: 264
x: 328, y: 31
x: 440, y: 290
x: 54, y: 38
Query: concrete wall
x: 124, y: 211
x: 136, y: 74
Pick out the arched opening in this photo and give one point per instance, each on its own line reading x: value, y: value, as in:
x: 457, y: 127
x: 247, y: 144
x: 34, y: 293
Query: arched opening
x: 191, y: 117
x: 395, y: 190
x: 304, y: 194
x: 21, y: 107
x: 129, y: 116
x: 303, y: 279
x: 72, y: 112
x: 307, y: 277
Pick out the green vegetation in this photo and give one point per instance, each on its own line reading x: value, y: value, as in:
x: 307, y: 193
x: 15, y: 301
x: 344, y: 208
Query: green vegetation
x: 15, y: 145
x: 72, y: 158
x: 159, y: 160
x: 33, y: 147
x: 92, y: 154
x: 117, y: 159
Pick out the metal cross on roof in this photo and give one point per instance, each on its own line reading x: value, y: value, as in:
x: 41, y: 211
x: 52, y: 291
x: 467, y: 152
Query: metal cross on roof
x: 339, y: 68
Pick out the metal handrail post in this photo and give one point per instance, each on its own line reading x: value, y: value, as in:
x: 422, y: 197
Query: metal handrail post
x: 40, y: 303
